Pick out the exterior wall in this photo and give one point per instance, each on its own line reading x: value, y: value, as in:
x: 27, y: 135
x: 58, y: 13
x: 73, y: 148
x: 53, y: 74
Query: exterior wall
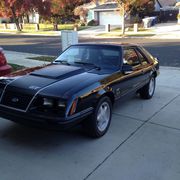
x: 34, y: 18
x: 96, y: 16
x: 90, y: 15
x: 93, y: 15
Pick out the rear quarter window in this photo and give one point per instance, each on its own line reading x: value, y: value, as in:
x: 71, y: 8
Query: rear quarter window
x: 148, y: 55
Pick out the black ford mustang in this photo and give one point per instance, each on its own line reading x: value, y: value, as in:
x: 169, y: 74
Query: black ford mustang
x: 81, y: 85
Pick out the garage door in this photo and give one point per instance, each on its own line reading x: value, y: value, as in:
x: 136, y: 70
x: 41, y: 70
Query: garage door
x: 109, y: 17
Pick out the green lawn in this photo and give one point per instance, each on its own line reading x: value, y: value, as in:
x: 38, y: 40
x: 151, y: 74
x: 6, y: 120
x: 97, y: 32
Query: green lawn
x: 44, y: 28
x: 43, y: 58
x: 16, y: 67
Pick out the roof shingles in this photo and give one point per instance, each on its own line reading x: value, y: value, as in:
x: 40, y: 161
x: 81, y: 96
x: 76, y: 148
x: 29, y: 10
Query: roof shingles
x: 107, y: 6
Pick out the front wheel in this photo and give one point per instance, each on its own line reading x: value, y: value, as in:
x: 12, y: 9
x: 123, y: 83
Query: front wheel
x: 98, y: 123
x: 147, y: 91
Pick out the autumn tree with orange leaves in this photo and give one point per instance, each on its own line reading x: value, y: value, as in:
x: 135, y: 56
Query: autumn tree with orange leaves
x: 63, y: 10
x: 17, y: 8
x: 133, y: 6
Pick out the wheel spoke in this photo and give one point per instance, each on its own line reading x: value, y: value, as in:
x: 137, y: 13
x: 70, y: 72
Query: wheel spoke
x: 151, y: 86
x: 103, y: 116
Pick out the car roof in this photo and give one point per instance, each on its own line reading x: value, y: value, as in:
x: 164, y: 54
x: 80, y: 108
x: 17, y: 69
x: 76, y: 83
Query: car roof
x: 107, y: 44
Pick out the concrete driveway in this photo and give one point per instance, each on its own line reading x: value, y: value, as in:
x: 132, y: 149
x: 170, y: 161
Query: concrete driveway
x: 143, y: 143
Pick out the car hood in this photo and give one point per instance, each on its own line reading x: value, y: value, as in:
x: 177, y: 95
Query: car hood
x: 57, y: 72
x: 56, y: 80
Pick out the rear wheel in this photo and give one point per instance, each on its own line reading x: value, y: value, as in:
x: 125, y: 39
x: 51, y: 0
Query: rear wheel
x: 147, y: 91
x: 98, y: 123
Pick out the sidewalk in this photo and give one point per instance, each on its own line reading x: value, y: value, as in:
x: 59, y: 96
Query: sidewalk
x: 159, y: 31
x: 22, y: 59
x: 166, y: 31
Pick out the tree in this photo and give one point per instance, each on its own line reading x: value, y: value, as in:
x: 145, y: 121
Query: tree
x: 81, y: 12
x: 11, y: 8
x: 142, y: 8
x: 128, y: 7
x: 17, y: 8
x: 63, y: 10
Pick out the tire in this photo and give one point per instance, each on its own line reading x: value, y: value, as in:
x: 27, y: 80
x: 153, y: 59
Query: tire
x: 98, y: 123
x: 147, y: 91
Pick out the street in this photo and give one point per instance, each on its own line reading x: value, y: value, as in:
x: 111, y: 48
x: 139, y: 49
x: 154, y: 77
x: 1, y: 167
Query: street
x: 165, y: 49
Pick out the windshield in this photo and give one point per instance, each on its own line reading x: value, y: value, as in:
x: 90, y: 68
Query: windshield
x: 100, y: 56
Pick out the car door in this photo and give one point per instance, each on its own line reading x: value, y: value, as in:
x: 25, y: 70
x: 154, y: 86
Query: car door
x: 134, y: 80
x: 146, y: 67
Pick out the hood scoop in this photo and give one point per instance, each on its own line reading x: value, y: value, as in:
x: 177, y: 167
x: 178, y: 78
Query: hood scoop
x: 58, y: 71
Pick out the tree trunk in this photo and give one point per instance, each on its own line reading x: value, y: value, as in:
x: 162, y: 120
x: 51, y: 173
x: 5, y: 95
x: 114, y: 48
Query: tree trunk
x: 123, y: 19
x: 15, y: 19
x: 27, y: 16
x: 55, y: 24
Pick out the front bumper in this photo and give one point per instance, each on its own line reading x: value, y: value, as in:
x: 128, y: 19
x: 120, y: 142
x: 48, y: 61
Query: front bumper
x: 44, y: 121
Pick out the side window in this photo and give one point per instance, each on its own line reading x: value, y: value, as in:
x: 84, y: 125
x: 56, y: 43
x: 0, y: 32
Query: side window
x: 143, y: 60
x: 131, y: 57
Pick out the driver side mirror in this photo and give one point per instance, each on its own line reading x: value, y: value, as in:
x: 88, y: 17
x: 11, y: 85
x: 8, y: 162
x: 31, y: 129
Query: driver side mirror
x: 127, y: 69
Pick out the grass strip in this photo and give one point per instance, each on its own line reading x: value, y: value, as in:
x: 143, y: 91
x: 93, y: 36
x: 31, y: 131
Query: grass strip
x: 43, y: 58
x: 16, y: 67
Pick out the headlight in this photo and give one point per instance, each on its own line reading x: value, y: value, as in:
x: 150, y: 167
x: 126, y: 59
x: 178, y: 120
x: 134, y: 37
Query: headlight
x: 55, y: 103
x: 61, y: 104
x: 48, y: 102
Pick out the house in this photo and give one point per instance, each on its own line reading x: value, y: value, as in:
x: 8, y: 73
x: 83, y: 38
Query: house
x: 104, y: 12
x: 107, y: 13
x: 166, y: 10
x: 165, y: 4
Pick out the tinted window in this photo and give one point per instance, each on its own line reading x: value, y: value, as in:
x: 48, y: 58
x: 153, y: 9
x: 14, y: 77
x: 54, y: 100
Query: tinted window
x: 103, y: 56
x: 130, y: 57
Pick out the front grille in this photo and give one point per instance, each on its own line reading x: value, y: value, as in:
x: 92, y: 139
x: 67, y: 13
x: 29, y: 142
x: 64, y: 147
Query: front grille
x: 16, y: 100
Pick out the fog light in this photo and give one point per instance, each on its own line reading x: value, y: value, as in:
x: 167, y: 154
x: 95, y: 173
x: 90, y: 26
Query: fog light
x: 47, y: 102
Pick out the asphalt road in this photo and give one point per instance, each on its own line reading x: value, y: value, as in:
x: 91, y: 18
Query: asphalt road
x: 166, y: 50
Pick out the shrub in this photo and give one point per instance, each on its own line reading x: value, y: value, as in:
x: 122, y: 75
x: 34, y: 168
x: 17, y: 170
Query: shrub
x: 92, y: 23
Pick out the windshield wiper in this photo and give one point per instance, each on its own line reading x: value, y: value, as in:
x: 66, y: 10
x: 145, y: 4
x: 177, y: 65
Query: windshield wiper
x: 63, y: 62
x: 86, y: 63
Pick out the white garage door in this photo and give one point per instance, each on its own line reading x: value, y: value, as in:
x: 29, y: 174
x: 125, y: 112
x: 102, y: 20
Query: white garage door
x: 109, y: 17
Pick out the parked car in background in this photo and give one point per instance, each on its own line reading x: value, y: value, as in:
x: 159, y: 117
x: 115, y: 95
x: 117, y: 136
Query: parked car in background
x: 4, y: 67
x: 80, y: 86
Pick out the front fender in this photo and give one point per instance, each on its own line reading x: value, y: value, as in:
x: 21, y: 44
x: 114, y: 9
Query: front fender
x: 89, y: 96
